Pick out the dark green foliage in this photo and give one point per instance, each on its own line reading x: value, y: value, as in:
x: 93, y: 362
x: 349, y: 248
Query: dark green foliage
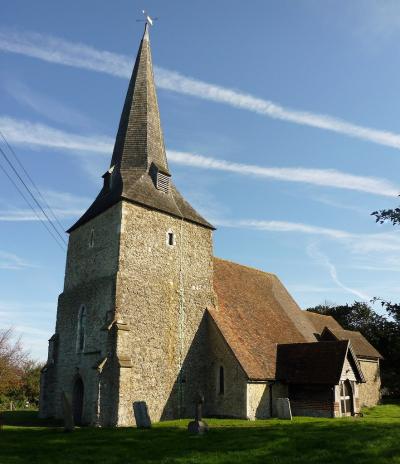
x: 381, y: 330
x: 387, y: 215
x: 31, y: 381
x: 375, y: 438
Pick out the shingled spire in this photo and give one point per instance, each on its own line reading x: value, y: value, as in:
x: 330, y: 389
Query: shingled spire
x: 139, y: 139
x: 139, y: 169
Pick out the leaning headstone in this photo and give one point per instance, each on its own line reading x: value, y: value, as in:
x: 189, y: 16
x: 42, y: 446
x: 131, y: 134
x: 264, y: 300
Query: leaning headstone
x: 142, y: 416
x: 198, y: 426
x: 283, y: 408
x: 67, y: 413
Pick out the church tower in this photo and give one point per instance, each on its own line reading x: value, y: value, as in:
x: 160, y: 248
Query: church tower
x: 130, y: 322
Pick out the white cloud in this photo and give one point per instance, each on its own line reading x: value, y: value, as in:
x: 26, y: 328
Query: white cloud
x: 10, y: 261
x: 72, y: 207
x: 26, y: 133
x: 55, y: 50
x: 319, y: 177
x: 322, y: 259
x: 39, y: 135
x: 357, y: 243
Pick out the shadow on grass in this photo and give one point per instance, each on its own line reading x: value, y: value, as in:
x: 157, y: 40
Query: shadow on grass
x: 26, y: 419
x: 300, y: 441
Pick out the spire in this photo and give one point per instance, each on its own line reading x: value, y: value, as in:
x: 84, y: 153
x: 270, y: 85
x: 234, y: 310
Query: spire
x: 139, y: 170
x: 140, y: 139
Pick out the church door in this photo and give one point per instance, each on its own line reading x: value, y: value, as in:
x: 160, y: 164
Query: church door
x: 346, y: 398
x: 77, y: 403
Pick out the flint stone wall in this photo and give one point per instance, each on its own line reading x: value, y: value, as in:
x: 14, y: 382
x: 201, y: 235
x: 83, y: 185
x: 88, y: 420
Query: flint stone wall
x: 162, y: 292
x: 233, y: 402
x: 258, y: 400
x: 89, y: 280
x: 369, y: 392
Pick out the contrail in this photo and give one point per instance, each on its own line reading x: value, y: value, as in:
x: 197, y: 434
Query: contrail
x: 34, y: 134
x: 56, y: 50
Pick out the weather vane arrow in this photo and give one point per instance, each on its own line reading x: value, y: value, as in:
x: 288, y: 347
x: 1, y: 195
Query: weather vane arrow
x: 148, y: 19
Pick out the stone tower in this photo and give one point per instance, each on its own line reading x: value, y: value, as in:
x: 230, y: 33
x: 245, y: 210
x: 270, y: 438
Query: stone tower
x: 130, y: 321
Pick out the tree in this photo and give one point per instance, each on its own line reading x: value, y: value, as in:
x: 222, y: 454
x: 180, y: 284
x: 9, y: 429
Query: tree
x: 387, y: 215
x: 30, y: 388
x: 12, y: 358
x: 19, y: 374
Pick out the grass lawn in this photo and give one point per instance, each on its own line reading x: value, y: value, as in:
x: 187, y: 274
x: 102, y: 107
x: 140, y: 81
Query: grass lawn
x: 375, y: 438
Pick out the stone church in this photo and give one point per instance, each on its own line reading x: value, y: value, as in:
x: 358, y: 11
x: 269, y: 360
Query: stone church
x: 148, y: 314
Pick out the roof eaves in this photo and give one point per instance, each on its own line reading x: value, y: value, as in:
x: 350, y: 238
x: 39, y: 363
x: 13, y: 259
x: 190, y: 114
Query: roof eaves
x: 356, y: 362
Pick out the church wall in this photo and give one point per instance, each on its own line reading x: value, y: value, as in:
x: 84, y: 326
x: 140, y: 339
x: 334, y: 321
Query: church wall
x: 258, y: 400
x: 162, y: 293
x: 48, y: 380
x: 89, y: 281
x: 233, y: 401
x: 348, y: 372
x: 369, y: 392
x: 86, y: 263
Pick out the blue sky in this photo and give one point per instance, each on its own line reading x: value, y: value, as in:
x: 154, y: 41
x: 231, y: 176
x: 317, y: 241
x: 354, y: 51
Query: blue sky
x: 281, y: 121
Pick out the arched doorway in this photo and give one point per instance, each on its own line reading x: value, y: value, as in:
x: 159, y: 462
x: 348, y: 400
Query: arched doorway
x: 346, y: 398
x: 77, y: 402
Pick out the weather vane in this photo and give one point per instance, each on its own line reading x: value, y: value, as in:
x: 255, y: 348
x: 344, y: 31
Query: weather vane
x: 148, y: 19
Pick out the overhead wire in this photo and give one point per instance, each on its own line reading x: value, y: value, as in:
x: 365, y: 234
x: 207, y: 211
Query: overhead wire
x: 32, y: 207
x: 32, y: 195
x: 10, y: 148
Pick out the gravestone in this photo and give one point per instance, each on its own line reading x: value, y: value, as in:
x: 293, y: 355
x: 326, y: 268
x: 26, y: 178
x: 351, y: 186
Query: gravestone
x: 283, y: 408
x: 67, y: 413
x: 141, y: 413
x: 198, y: 426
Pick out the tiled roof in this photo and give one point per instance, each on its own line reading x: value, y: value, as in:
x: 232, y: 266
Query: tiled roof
x: 311, y: 363
x: 360, y: 344
x: 139, y: 145
x: 255, y: 313
x: 320, y: 321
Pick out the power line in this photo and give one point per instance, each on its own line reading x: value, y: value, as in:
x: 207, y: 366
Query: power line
x: 32, y: 181
x: 32, y: 207
x: 32, y: 195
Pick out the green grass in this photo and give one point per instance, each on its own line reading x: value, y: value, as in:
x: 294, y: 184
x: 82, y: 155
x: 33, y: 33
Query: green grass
x: 375, y: 438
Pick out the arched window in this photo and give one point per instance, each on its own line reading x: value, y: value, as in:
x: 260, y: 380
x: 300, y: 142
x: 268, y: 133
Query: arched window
x: 81, y: 335
x: 221, y: 381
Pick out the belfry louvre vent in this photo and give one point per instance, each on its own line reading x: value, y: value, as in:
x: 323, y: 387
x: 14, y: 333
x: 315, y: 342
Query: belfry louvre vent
x: 162, y: 182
